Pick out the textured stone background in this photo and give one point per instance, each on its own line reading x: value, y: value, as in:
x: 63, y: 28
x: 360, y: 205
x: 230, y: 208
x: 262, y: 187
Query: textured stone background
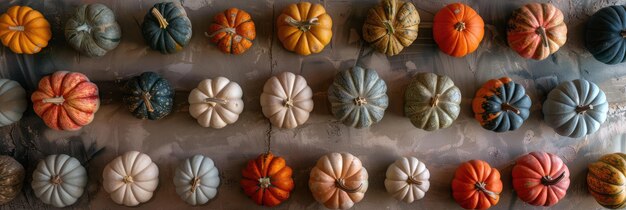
x: 176, y: 137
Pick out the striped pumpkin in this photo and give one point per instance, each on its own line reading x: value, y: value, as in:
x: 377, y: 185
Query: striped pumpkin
x: 606, y: 180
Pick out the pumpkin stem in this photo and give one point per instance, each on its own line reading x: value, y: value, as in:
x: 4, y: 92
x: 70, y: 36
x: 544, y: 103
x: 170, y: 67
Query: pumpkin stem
x: 162, y: 21
x: 288, y: 103
x: 302, y: 25
x: 56, y: 100
x: 583, y: 109
x: 547, y: 180
x: 146, y: 100
x: 389, y: 27
x: 128, y: 179
x: 228, y: 30
x: 434, y: 101
x: 56, y: 180
x: 623, y: 33
x: 195, y: 183
x: 412, y: 180
x: 360, y: 101
x: 265, y: 182
x: 509, y: 107
x: 544, y: 37
x: 460, y: 26
x: 341, y: 184
x: 213, y: 101
x: 16, y: 28
x: 481, y: 186
x: 84, y: 27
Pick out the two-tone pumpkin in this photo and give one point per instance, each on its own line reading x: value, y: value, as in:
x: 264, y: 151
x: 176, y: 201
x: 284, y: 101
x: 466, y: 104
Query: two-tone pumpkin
x: 501, y: 105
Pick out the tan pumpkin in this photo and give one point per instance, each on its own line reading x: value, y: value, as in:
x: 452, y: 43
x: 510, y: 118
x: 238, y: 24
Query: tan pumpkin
x: 391, y: 26
x: 338, y: 180
x: 304, y: 28
x: 536, y: 30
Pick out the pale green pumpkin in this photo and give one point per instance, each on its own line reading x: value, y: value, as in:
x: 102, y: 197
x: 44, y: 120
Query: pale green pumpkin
x: 92, y: 30
x: 13, y: 98
x: 196, y: 180
x: 59, y: 180
x: 432, y: 101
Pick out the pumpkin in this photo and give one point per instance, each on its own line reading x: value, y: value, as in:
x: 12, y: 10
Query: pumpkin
x: 606, y: 180
x: 458, y: 29
x: 24, y: 30
x: 66, y: 100
x: 59, y: 180
x: 196, y: 180
x: 501, y: 105
x: 476, y: 185
x: 267, y: 180
x: 407, y: 179
x: 131, y: 178
x: 432, y: 101
x: 391, y: 26
x: 216, y: 102
x: 338, y: 180
x: 11, y: 178
x: 13, y: 97
x: 304, y: 28
x: 358, y: 97
x: 93, y: 30
x: 540, y: 178
x: 233, y: 31
x: 606, y: 34
x: 575, y: 108
x: 287, y: 100
x: 536, y: 30
x: 148, y: 96
x: 166, y: 27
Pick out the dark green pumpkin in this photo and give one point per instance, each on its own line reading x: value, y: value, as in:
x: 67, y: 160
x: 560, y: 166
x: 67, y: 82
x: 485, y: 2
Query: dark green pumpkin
x: 93, y: 30
x: 166, y: 27
x: 501, y: 105
x: 606, y: 35
x: 148, y: 96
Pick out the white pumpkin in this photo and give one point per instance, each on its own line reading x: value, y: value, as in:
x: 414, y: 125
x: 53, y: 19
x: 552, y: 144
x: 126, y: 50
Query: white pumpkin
x: 14, y: 103
x: 407, y: 179
x: 287, y: 100
x: 131, y: 179
x: 216, y: 102
x: 196, y: 180
x: 59, y: 180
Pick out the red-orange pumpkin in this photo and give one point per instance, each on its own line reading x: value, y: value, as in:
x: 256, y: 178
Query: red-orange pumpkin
x: 536, y: 30
x: 540, y: 178
x: 476, y: 185
x: 66, y: 100
x: 267, y: 180
x: 232, y: 31
x: 458, y: 29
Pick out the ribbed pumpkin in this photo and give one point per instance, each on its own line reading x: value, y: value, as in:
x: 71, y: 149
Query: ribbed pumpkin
x: 287, y: 100
x: 304, y: 28
x: 131, y: 178
x: 575, y: 108
x: 458, y: 29
x: 536, y: 30
x: 24, y: 30
x: 267, y: 180
x: 391, y: 26
x: 148, y: 96
x: 66, y: 100
x: 11, y: 179
x: 606, y: 34
x: 196, y: 180
x: 13, y: 97
x: 338, y: 180
x: 540, y: 178
x: 606, y: 180
x: 93, y: 30
x: 476, y: 185
x: 432, y: 101
x: 232, y: 31
x: 407, y: 179
x: 358, y: 97
x: 501, y: 105
x: 59, y: 180
x: 216, y: 102
x: 166, y: 27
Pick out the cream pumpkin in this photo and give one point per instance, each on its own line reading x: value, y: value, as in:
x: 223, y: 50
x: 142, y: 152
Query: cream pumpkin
x: 338, y: 180
x: 286, y: 100
x: 407, y: 179
x: 216, y: 102
x: 131, y: 179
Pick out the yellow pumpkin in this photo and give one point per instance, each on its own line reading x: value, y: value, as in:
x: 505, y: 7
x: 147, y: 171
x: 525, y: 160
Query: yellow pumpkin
x: 24, y: 30
x: 606, y: 180
x: 304, y: 28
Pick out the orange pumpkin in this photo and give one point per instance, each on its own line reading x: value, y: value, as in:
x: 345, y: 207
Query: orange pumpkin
x: 536, y: 30
x: 24, y: 30
x: 458, y: 29
x: 267, y: 180
x: 304, y: 28
x: 476, y: 185
x: 232, y: 31
x: 540, y: 178
x: 66, y: 100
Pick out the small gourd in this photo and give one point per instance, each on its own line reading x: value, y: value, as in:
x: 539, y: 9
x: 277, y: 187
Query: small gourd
x: 11, y: 179
x: 131, y: 178
x: 432, y: 101
x: 216, y: 102
x: 233, y: 31
x: 604, y: 37
x: 148, y: 96
x: 196, y: 180
x: 536, y: 30
x: 304, y: 28
x: 28, y: 24
x: 338, y: 180
x: 93, y: 30
x: 166, y: 27
x: 391, y: 26
x: 59, y: 180
x: 501, y: 105
x: 287, y: 100
x: 407, y: 179
x: 606, y: 180
x: 13, y: 97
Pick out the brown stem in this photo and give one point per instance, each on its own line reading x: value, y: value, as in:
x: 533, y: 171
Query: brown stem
x: 302, y: 25
x: 265, y: 182
x: 146, y: 100
x: 56, y: 100
x: 547, y: 180
x: 389, y: 27
x: 482, y: 187
x: 341, y: 184
x: 434, y: 101
x: 583, y: 109
x: 460, y: 26
x: 128, y: 179
x: 412, y: 180
x: 509, y: 107
x: 216, y: 100
x: 56, y: 180
x: 623, y: 34
x: 544, y: 37
x: 288, y: 103
x: 162, y: 21
x: 360, y: 101
x: 195, y: 183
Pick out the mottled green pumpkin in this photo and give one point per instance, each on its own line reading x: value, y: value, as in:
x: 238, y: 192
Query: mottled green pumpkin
x: 93, y: 30
x: 606, y: 180
x: 11, y: 179
x: 166, y: 27
x: 432, y: 101
x: 358, y: 97
x: 148, y: 96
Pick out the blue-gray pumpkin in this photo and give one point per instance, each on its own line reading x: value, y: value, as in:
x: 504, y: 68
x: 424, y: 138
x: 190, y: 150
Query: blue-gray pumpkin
x: 575, y: 108
x: 166, y: 27
x: 501, y: 105
x: 358, y: 97
x: 606, y: 35
x: 93, y: 30
x: 148, y: 96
